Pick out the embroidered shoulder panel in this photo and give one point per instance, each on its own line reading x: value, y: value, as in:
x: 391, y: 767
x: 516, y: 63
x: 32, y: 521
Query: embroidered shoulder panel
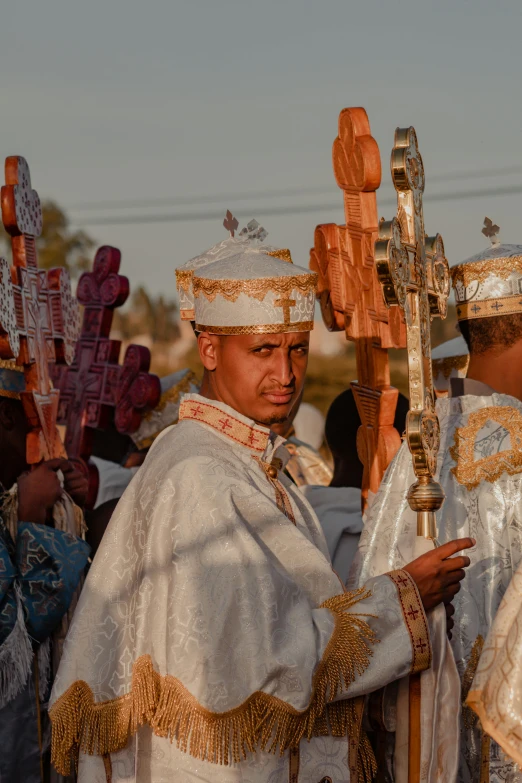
x: 254, y: 438
x: 470, y: 471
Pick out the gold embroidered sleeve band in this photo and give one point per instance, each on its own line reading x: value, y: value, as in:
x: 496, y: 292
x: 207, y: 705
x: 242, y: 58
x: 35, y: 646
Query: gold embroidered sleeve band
x: 415, y: 619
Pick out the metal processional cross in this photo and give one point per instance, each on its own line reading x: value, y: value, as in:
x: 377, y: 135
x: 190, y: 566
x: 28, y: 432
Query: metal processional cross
x: 351, y: 297
x: 414, y: 274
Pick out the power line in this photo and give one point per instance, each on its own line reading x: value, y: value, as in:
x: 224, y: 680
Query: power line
x: 296, y: 209
x: 273, y: 193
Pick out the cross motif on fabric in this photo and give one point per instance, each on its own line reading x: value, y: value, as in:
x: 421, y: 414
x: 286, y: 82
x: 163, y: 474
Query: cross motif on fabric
x: 414, y: 274
x: 225, y: 424
x: 402, y: 581
x: 351, y: 298
x: 252, y: 438
x: 412, y: 614
x: 87, y: 387
x: 421, y: 645
x: 197, y: 411
x: 476, y: 308
x: 47, y: 315
x: 230, y: 223
x: 286, y: 303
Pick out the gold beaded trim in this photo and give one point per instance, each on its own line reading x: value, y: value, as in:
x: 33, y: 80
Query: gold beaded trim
x: 261, y: 722
x: 449, y: 363
x: 283, y: 254
x: 470, y: 472
x: 257, y: 288
x: 299, y: 326
x: 486, y: 308
x: 170, y: 397
x: 10, y: 364
x: 479, y: 271
x: 11, y: 394
x: 184, y: 279
x: 470, y: 719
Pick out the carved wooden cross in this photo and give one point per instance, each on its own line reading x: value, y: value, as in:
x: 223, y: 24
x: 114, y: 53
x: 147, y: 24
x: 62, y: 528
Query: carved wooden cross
x: 414, y: 274
x: 86, y: 399
x: 47, y: 316
x: 350, y: 295
x: 136, y: 391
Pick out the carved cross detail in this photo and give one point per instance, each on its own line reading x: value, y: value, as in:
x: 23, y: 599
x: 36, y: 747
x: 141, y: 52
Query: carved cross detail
x: 136, y: 390
x: 47, y: 316
x: 286, y: 303
x: 351, y: 298
x: 414, y: 274
x: 85, y: 392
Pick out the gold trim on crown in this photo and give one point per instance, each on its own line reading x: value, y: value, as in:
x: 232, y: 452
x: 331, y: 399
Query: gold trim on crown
x: 479, y: 271
x: 184, y: 279
x: 257, y: 288
x: 487, y: 308
x: 283, y: 254
x: 299, y: 326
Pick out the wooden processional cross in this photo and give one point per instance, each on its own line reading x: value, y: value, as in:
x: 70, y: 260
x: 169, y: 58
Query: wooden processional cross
x: 96, y: 391
x: 414, y: 274
x: 351, y: 297
x: 46, y: 314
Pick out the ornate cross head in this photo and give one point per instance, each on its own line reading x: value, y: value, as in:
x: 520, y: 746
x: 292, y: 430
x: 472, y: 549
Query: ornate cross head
x: 230, y: 223
x: 21, y: 209
x: 350, y: 295
x: 414, y: 274
x: 47, y: 315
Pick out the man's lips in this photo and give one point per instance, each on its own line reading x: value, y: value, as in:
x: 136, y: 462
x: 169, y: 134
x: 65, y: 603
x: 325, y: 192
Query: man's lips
x: 279, y: 397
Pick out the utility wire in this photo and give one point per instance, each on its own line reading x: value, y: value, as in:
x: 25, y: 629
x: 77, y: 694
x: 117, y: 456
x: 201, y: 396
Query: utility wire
x: 273, y: 193
x: 296, y: 209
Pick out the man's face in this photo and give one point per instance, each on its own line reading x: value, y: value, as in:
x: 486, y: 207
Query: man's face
x: 260, y: 376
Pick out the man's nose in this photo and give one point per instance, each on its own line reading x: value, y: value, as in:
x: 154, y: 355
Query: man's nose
x: 282, y: 370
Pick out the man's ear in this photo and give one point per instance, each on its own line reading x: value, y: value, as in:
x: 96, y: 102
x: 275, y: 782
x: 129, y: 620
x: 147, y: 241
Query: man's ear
x: 207, y: 347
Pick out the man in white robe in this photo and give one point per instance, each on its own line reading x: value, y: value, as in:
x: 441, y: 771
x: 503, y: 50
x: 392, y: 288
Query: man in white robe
x: 480, y: 470
x: 212, y: 641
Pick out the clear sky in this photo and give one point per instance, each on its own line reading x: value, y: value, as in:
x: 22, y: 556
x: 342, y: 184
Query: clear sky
x: 118, y: 99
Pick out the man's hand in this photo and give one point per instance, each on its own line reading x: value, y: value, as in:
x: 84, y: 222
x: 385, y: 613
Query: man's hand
x: 76, y: 483
x: 38, y: 491
x: 438, y: 575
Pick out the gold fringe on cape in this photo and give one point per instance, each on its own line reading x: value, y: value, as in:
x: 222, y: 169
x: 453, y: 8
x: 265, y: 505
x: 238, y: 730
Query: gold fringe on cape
x: 262, y: 721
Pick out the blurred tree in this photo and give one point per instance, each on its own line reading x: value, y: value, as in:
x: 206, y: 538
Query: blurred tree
x: 59, y: 244
x: 155, y: 316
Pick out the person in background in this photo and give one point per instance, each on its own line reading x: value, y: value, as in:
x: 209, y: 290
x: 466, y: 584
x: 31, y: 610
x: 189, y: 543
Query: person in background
x: 338, y: 506
x: 40, y: 569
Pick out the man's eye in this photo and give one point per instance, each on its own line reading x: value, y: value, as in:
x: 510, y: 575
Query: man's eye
x: 301, y: 351
x: 262, y: 351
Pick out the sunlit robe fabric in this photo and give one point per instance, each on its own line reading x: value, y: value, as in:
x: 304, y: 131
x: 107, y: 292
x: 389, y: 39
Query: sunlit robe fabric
x: 491, y: 513
x: 207, y: 571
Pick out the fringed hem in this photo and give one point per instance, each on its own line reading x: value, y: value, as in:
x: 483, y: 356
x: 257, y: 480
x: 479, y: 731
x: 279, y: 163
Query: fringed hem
x: 262, y: 721
x: 16, y: 655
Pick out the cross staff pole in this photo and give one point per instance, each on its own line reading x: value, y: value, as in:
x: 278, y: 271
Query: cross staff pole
x: 414, y: 274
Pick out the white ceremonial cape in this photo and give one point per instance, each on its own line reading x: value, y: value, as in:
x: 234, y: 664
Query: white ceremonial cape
x: 496, y: 692
x: 479, y: 468
x: 212, y: 630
